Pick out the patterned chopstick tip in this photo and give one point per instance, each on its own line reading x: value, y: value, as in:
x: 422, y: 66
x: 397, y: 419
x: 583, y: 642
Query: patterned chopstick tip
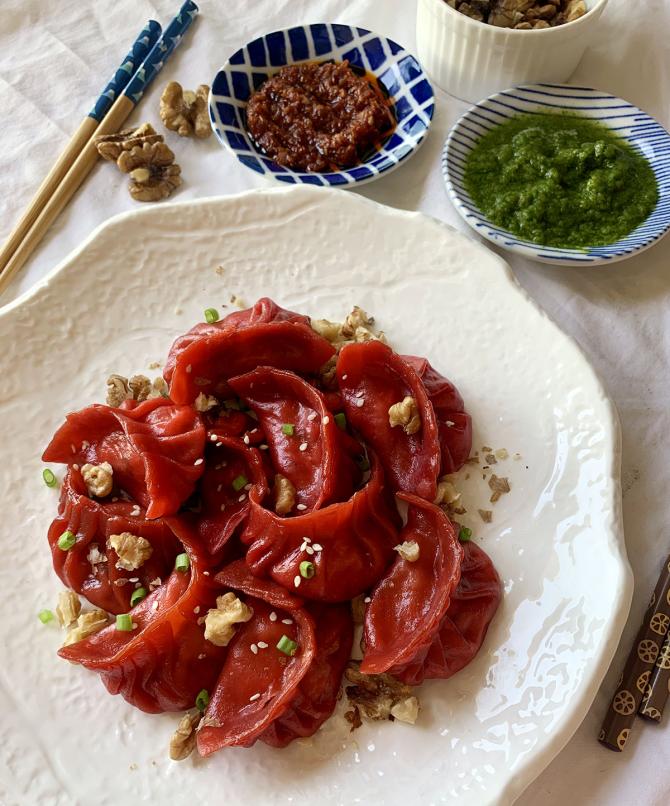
x: 145, y: 41
x: 658, y: 687
x: 634, y: 682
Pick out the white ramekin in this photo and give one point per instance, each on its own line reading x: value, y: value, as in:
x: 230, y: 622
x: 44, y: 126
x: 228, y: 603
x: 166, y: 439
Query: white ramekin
x: 471, y: 59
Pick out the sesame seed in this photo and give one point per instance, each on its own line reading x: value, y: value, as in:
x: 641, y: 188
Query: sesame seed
x: 360, y: 402
x: 296, y: 580
x: 201, y: 656
x: 450, y: 423
x: 254, y: 649
x: 247, y: 487
x: 218, y: 489
x: 263, y: 447
x: 246, y: 439
x: 302, y: 446
x: 254, y: 697
x: 325, y: 420
x: 311, y: 416
x: 308, y: 549
x: 367, y: 600
x: 222, y: 507
x: 317, y: 547
x: 307, y: 539
x: 73, y: 449
x: 344, y: 377
x: 201, y: 620
x: 189, y: 368
x: 253, y: 430
x: 133, y: 579
x: 214, y: 438
x: 242, y: 497
x: 301, y: 507
x: 287, y: 621
x: 219, y: 444
x: 206, y: 573
x: 273, y: 616
x: 198, y: 461
x: 262, y: 645
x: 76, y: 467
x: 196, y: 609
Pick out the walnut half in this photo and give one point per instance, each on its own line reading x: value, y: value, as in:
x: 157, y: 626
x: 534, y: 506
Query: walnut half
x: 378, y: 695
x: 153, y: 172
x: 185, y: 112
x: 406, y: 414
x: 182, y: 743
x: 220, y: 622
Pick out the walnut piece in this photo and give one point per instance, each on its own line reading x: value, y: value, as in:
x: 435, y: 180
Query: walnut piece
x: 182, y: 742
x: 110, y: 146
x: 446, y: 493
x: 220, y: 622
x: 87, y: 624
x: 406, y: 414
x: 95, y: 556
x: 408, y: 550
x: 132, y: 551
x: 406, y: 710
x: 185, y: 112
x: 284, y: 493
x: 205, y: 402
x: 356, y: 319
x: 486, y: 515
x: 68, y: 608
x: 375, y: 694
x: 499, y: 486
x: 331, y: 331
x: 139, y: 388
x: 153, y: 172
x: 99, y: 479
x: 117, y: 390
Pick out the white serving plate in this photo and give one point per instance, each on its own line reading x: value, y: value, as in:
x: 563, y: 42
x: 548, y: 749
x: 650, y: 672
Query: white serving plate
x: 114, y: 306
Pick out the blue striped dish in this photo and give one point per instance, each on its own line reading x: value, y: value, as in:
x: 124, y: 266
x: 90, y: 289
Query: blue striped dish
x: 396, y: 69
x: 635, y: 126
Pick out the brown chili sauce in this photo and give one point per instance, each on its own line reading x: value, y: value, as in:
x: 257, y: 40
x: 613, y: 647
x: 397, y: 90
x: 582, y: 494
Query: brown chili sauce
x: 320, y: 116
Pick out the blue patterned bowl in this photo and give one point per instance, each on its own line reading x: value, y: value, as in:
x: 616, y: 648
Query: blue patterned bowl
x: 636, y: 127
x: 396, y: 69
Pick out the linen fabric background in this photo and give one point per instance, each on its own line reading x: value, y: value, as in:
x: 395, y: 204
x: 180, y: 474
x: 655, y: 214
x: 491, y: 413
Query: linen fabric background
x: 55, y: 56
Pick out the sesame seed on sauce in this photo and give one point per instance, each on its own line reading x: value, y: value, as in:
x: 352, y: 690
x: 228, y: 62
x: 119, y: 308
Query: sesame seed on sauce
x: 367, y: 600
x: 247, y: 487
x: 311, y: 416
x: 198, y: 461
x: 214, y: 438
x: 254, y: 649
x: 301, y: 507
x: 254, y: 697
x: 264, y: 447
x: 262, y: 645
x: 242, y: 497
x: 344, y: 377
x: 287, y: 621
x: 325, y: 420
x: 273, y: 616
x: 360, y: 402
x: 302, y: 446
x: 296, y: 580
x: 196, y: 609
x: 219, y: 444
x: 222, y: 507
x: 317, y: 547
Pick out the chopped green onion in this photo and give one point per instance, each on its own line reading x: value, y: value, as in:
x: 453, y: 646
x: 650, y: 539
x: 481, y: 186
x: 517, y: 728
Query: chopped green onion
x: 124, y: 622
x: 211, y: 315
x: 66, y: 540
x: 239, y: 482
x: 288, y: 429
x: 45, y: 616
x: 138, y: 595
x: 202, y: 700
x: 182, y: 562
x: 341, y: 420
x: 232, y: 404
x: 363, y: 462
x: 49, y: 478
x: 286, y: 645
x: 465, y: 534
x: 307, y: 569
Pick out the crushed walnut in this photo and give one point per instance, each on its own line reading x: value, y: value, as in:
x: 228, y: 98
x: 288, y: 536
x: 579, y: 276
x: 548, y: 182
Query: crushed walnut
x: 523, y: 15
x: 132, y: 551
x: 205, y: 402
x: 446, y: 492
x: 357, y: 327
x: 284, y: 495
x: 220, y: 622
x: 486, y: 515
x: 68, y: 608
x: 184, y: 111
x: 182, y: 743
x: 95, y: 556
x: 87, y: 624
x: 110, y: 146
x: 353, y: 717
x: 499, y: 486
x: 375, y: 695
x: 99, y: 479
x: 406, y: 414
x: 408, y: 550
x: 138, y: 388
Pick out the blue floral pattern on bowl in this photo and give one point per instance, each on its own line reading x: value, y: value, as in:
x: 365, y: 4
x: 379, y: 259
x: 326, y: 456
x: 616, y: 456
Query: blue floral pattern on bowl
x: 397, y: 70
x: 640, y: 130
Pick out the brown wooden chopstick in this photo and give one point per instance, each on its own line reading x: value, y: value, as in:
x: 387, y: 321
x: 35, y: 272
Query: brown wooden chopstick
x: 639, y: 667
x: 656, y: 695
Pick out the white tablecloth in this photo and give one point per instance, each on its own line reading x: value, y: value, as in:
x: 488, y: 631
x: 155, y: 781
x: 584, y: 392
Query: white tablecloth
x: 54, y: 56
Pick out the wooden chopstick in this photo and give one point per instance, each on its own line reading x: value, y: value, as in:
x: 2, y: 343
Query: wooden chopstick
x: 141, y: 47
x: 88, y: 155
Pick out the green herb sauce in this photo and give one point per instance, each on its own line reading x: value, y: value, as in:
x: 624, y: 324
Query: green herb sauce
x: 560, y: 180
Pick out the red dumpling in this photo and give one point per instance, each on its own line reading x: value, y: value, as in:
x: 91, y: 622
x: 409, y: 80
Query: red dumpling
x: 165, y: 662
x: 258, y: 681
x: 453, y: 422
x: 410, y: 601
x: 372, y: 378
x: 263, y: 312
x: 316, y: 695
x: 232, y: 470
x: 349, y: 544
x: 313, y: 455
x: 155, y: 449
x: 206, y: 363
x: 91, y: 567
x: 463, y: 628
